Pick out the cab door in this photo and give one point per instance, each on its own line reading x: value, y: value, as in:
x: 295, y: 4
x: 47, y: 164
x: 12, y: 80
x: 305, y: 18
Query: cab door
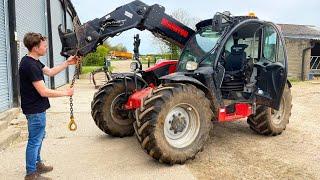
x: 272, y: 68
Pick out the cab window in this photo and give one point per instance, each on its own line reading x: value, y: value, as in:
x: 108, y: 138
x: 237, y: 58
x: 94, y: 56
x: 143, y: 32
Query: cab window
x: 270, y: 44
x: 281, y: 54
x: 252, y: 50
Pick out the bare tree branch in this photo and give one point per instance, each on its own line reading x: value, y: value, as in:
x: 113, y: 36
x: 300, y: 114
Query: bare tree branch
x: 182, y: 16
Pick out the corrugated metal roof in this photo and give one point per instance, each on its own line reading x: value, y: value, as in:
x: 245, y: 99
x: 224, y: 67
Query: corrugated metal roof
x: 300, y: 31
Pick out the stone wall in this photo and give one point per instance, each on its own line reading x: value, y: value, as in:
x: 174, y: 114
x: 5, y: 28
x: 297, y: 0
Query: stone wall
x: 294, y: 51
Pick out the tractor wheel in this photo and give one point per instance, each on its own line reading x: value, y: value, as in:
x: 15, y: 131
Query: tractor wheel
x: 268, y: 121
x: 107, y: 108
x: 174, y: 122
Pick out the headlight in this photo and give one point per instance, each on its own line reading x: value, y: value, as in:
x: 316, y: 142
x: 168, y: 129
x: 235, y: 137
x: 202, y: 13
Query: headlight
x: 191, y: 65
x: 134, y: 65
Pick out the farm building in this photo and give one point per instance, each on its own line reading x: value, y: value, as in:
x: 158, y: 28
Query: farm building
x: 303, y: 48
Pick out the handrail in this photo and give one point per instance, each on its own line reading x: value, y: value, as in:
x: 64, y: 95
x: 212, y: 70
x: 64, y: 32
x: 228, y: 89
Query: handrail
x: 315, y: 63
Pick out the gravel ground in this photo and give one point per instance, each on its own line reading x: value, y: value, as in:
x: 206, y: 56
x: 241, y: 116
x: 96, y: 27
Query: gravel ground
x: 235, y: 152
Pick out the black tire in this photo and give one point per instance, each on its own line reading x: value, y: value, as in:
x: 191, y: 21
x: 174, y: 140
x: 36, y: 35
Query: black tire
x: 154, y: 118
x: 106, y: 108
x: 268, y: 121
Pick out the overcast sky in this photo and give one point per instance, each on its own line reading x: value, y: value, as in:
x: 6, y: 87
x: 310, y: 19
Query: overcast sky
x: 305, y: 12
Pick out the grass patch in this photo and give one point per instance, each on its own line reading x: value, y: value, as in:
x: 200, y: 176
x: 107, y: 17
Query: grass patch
x: 294, y: 80
x: 111, y: 68
x: 146, y: 62
x: 89, y: 69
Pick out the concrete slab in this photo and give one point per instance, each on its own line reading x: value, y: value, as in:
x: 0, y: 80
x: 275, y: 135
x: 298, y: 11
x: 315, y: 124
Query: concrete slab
x: 3, y: 125
x: 8, y: 136
x: 9, y: 114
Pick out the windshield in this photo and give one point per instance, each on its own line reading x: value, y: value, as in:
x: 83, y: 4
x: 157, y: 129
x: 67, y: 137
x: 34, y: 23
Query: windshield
x: 198, y: 46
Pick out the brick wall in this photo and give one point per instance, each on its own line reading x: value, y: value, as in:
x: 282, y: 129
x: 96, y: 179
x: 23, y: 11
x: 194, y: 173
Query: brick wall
x: 294, y: 51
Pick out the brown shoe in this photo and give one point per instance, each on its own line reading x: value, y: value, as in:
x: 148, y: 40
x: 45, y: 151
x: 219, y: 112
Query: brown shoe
x: 36, y: 176
x: 42, y: 168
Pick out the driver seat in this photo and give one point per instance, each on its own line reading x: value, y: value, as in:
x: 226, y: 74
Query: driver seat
x: 235, y: 65
x: 235, y: 62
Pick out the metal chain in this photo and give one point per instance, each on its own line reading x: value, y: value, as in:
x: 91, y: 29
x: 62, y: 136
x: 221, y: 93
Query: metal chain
x: 72, y: 124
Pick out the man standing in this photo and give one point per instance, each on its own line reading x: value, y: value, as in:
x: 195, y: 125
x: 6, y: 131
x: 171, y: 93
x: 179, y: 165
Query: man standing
x: 34, y: 99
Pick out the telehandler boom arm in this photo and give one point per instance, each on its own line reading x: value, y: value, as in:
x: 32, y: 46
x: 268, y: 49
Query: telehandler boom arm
x: 85, y: 38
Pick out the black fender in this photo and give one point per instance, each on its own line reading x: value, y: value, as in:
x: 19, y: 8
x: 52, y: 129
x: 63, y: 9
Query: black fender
x: 212, y: 94
x: 177, y: 77
x: 127, y: 76
x: 130, y: 76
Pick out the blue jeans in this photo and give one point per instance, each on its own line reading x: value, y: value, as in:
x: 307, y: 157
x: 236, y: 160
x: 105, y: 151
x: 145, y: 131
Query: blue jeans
x: 36, y: 129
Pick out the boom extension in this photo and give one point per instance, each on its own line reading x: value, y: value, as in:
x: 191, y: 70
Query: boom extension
x: 136, y: 14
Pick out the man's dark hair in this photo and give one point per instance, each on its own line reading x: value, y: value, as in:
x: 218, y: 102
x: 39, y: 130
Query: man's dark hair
x: 32, y: 39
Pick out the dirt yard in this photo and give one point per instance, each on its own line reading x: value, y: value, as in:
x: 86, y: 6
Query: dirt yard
x: 236, y: 152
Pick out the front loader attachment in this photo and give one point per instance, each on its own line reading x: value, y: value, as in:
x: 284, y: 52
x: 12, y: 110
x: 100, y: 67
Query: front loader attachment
x: 79, y: 42
x: 69, y: 42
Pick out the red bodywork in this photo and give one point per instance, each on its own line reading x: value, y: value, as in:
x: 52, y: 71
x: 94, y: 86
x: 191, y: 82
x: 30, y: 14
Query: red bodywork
x: 136, y: 98
x: 242, y: 110
x: 171, y: 63
x: 175, y: 28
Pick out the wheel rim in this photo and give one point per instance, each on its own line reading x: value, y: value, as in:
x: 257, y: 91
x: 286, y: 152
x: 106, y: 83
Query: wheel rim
x: 277, y: 116
x: 118, y: 113
x: 181, y: 125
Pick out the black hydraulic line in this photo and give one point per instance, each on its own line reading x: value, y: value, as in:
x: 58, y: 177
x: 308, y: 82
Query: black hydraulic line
x: 136, y: 45
x: 65, y: 8
x: 126, y: 85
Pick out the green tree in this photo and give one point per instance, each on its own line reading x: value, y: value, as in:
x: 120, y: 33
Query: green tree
x: 96, y: 58
x: 107, y: 45
x: 103, y: 50
x: 119, y: 47
x: 174, y: 51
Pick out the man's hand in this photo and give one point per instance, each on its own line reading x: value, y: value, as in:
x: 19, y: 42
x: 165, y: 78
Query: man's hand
x: 69, y: 92
x: 55, y: 70
x: 46, y: 92
x: 73, y: 60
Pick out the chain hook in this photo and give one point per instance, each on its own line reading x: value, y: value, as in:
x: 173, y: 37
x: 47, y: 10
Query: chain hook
x: 72, y: 124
